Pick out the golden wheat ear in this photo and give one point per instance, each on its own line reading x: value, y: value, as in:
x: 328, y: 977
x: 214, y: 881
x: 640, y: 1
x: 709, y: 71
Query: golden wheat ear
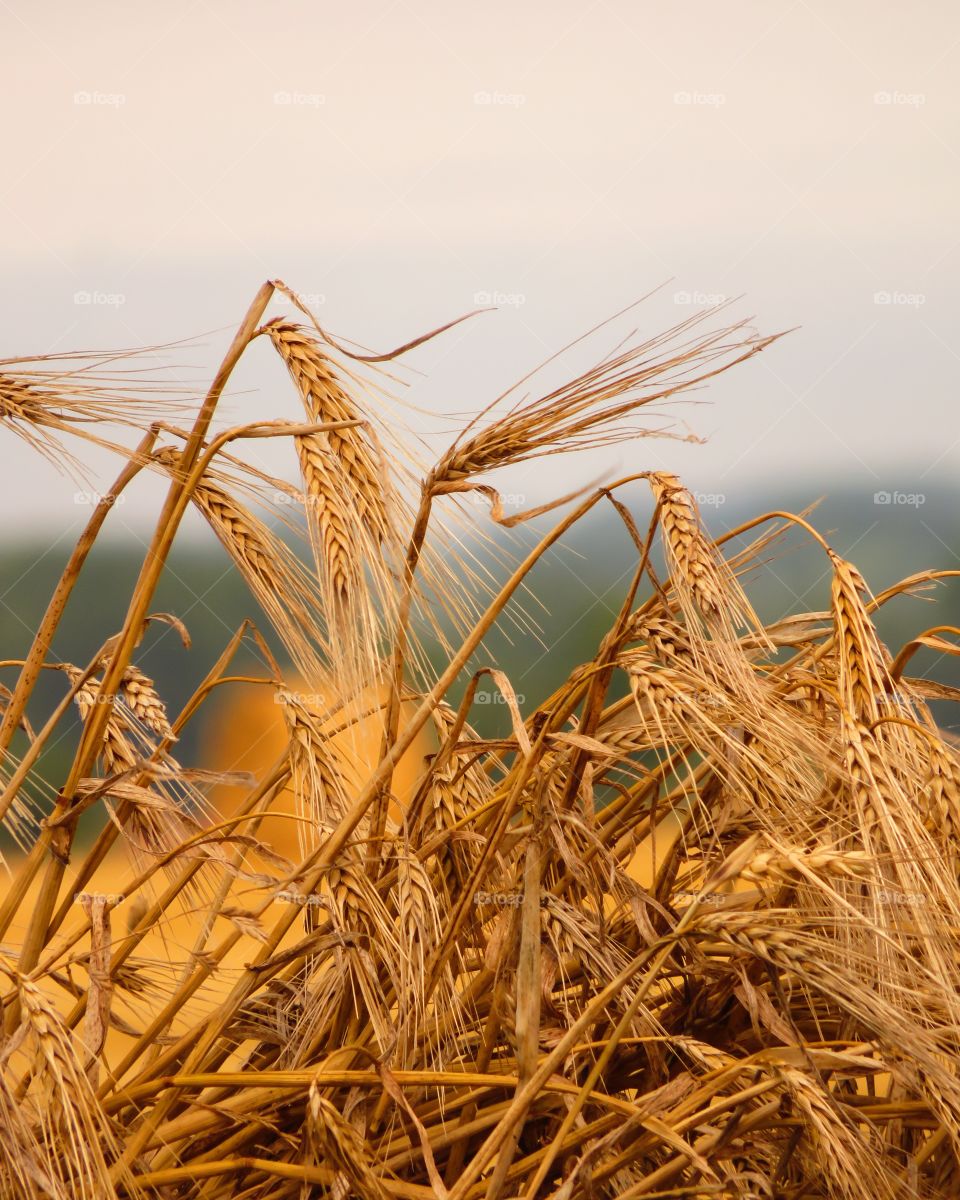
x: 349, y: 500
x: 591, y: 409
x: 271, y: 570
x: 326, y: 400
x: 81, y: 395
x: 706, y: 587
x: 69, y: 1137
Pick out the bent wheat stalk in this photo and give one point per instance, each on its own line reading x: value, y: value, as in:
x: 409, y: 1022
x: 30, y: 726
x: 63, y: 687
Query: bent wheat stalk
x: 686, y: 927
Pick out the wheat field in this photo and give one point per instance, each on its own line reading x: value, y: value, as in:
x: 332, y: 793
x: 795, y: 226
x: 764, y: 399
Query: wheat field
x: 688, y: 929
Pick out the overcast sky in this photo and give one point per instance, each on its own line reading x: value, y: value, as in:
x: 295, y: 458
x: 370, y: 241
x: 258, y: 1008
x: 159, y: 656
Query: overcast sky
x: 402, y: 162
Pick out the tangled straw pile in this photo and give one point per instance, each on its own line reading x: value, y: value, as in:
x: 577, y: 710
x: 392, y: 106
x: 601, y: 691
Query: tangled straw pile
x: 700, y: 941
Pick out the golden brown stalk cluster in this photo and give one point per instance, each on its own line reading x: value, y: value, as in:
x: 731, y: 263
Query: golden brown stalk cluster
x: 687, y: 928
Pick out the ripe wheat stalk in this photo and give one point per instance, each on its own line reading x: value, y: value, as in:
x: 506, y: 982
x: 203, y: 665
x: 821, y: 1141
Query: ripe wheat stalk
x: 687, y: 929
